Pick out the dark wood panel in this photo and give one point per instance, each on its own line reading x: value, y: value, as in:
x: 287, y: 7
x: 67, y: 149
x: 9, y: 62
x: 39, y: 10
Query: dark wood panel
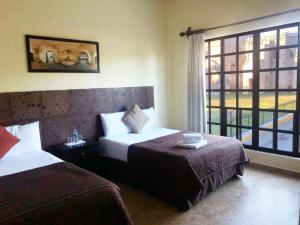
x: 26, y: 106
x: 54, y: 104
x: 81, y: 102
x: 59, y: 111
x: 103, y: 99
x: 5, y: 109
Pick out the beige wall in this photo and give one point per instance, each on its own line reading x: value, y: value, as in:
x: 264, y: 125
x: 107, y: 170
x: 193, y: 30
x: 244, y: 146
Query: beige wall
x: 203, y: 14
x: 130, y: 33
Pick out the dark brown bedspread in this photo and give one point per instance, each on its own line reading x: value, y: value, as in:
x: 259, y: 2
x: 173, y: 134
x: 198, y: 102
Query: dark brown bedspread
x: 60, y: 194
x: 185, y: 176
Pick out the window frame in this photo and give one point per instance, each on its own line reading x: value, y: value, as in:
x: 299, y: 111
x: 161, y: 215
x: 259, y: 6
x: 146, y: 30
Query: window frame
x: 255, y: 90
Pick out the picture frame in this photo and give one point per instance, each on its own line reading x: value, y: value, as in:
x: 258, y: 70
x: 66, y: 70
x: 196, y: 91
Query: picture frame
x: 61, y: 55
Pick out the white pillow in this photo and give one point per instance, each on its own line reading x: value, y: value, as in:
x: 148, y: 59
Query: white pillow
x: 29, y: 136
x: 14, y: 130
x: 151, y: 115
x: 113, y: 125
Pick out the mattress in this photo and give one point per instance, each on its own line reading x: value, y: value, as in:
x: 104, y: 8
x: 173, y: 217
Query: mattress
x: 26, y: 161
x: 116, y: 147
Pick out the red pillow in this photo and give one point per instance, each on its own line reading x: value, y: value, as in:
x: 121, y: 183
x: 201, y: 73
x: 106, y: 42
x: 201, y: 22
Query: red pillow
x: 7, y: 141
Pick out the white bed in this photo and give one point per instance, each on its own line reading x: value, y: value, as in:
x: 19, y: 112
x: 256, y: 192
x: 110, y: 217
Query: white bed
x: 28, y: 161
x: 27, y: 154
x: 116, y: 147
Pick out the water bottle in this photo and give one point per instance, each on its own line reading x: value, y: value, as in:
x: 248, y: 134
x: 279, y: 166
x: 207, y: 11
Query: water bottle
x: 75, y: 135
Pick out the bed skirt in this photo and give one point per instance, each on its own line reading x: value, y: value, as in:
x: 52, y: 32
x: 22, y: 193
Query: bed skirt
x: 120, y: 171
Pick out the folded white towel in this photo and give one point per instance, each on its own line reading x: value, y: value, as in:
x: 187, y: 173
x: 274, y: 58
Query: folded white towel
x: 190, y: 138
x: 193, y: 145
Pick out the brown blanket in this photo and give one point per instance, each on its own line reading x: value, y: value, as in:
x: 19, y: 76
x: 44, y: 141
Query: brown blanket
x: 60, y: 194
x: 185, y: 176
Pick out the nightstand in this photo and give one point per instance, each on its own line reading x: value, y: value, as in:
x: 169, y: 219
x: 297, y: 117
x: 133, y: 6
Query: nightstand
x: 84, y: 156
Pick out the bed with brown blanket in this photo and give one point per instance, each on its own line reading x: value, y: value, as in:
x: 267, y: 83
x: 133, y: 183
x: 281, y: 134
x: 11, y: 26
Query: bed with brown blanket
x: 60, y: 194
x: 185, y: 176
x: 180, y: 176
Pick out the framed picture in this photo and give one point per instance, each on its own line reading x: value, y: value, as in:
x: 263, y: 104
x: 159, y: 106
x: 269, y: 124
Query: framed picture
x: 47, y: 54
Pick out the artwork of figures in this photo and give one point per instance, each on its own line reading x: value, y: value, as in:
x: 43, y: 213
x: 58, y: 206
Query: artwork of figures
x: 45, y: 54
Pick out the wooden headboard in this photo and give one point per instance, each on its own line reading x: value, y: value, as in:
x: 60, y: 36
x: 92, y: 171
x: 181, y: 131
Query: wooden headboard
x: 59, y: 111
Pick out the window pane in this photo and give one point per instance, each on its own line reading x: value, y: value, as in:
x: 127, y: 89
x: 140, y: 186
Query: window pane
x: 285, y: 142
x: 215, y: 129
x: 267, y: 80
x: 215, y: 64
x: 268, y: 39
x: 230, y: 81
x: 246, y: 42
x: 267, y: 100
x: 246, y: 61
x: 231, y: 132
x: 215, y: 47
x: 230, y: 45
x: 247, y: 136
x: 230, y: 99
x: 207, y: 99
x: 265, y: 139
x: 215, y: 115
x: 285, y: 121
x: 245, y: 81
x: 207, y: 114
x: 206, y: 65
x: 231, y: 116
x: 266, y: 119
x: 246, y: 118
x: 215, y: 98
x: 288, y: 79
x: 245, y: 99
x: 267, y: 60
x: 288, y: 57
x: 230, y: 63
x: 206, y: 48
x: 287, y: 100
x: 207, y: 81
x: 215, y: 81
x: 289, y: 36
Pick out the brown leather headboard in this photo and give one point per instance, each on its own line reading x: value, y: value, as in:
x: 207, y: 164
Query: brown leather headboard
x: 59, y: 111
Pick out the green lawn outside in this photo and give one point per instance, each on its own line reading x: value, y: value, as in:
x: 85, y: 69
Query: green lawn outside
x: 286, y: 101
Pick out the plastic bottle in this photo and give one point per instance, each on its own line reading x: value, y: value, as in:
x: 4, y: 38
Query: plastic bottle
x: 74, y: 135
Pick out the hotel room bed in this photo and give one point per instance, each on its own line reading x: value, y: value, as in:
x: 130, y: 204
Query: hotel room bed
x: 38, y: 188
x: 180, y: 176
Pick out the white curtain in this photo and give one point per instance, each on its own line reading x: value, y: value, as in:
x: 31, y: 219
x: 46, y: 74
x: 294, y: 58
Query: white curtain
x: 197, y: 120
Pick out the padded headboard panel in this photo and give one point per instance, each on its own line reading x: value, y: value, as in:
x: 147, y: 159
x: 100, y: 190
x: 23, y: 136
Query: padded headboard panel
x: 59, y: 111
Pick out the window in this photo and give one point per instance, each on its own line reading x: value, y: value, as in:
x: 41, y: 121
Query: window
x: 253, y: 88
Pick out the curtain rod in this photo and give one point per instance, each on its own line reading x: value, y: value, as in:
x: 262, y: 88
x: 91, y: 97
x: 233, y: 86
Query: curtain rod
x: 189, y: 30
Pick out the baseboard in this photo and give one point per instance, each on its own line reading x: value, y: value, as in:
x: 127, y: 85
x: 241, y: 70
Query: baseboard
x: 273, y: 169
x: 273, y: 161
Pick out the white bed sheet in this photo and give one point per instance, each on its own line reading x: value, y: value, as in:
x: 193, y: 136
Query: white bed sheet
x: 28, y: 161
x: 116, y: 147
